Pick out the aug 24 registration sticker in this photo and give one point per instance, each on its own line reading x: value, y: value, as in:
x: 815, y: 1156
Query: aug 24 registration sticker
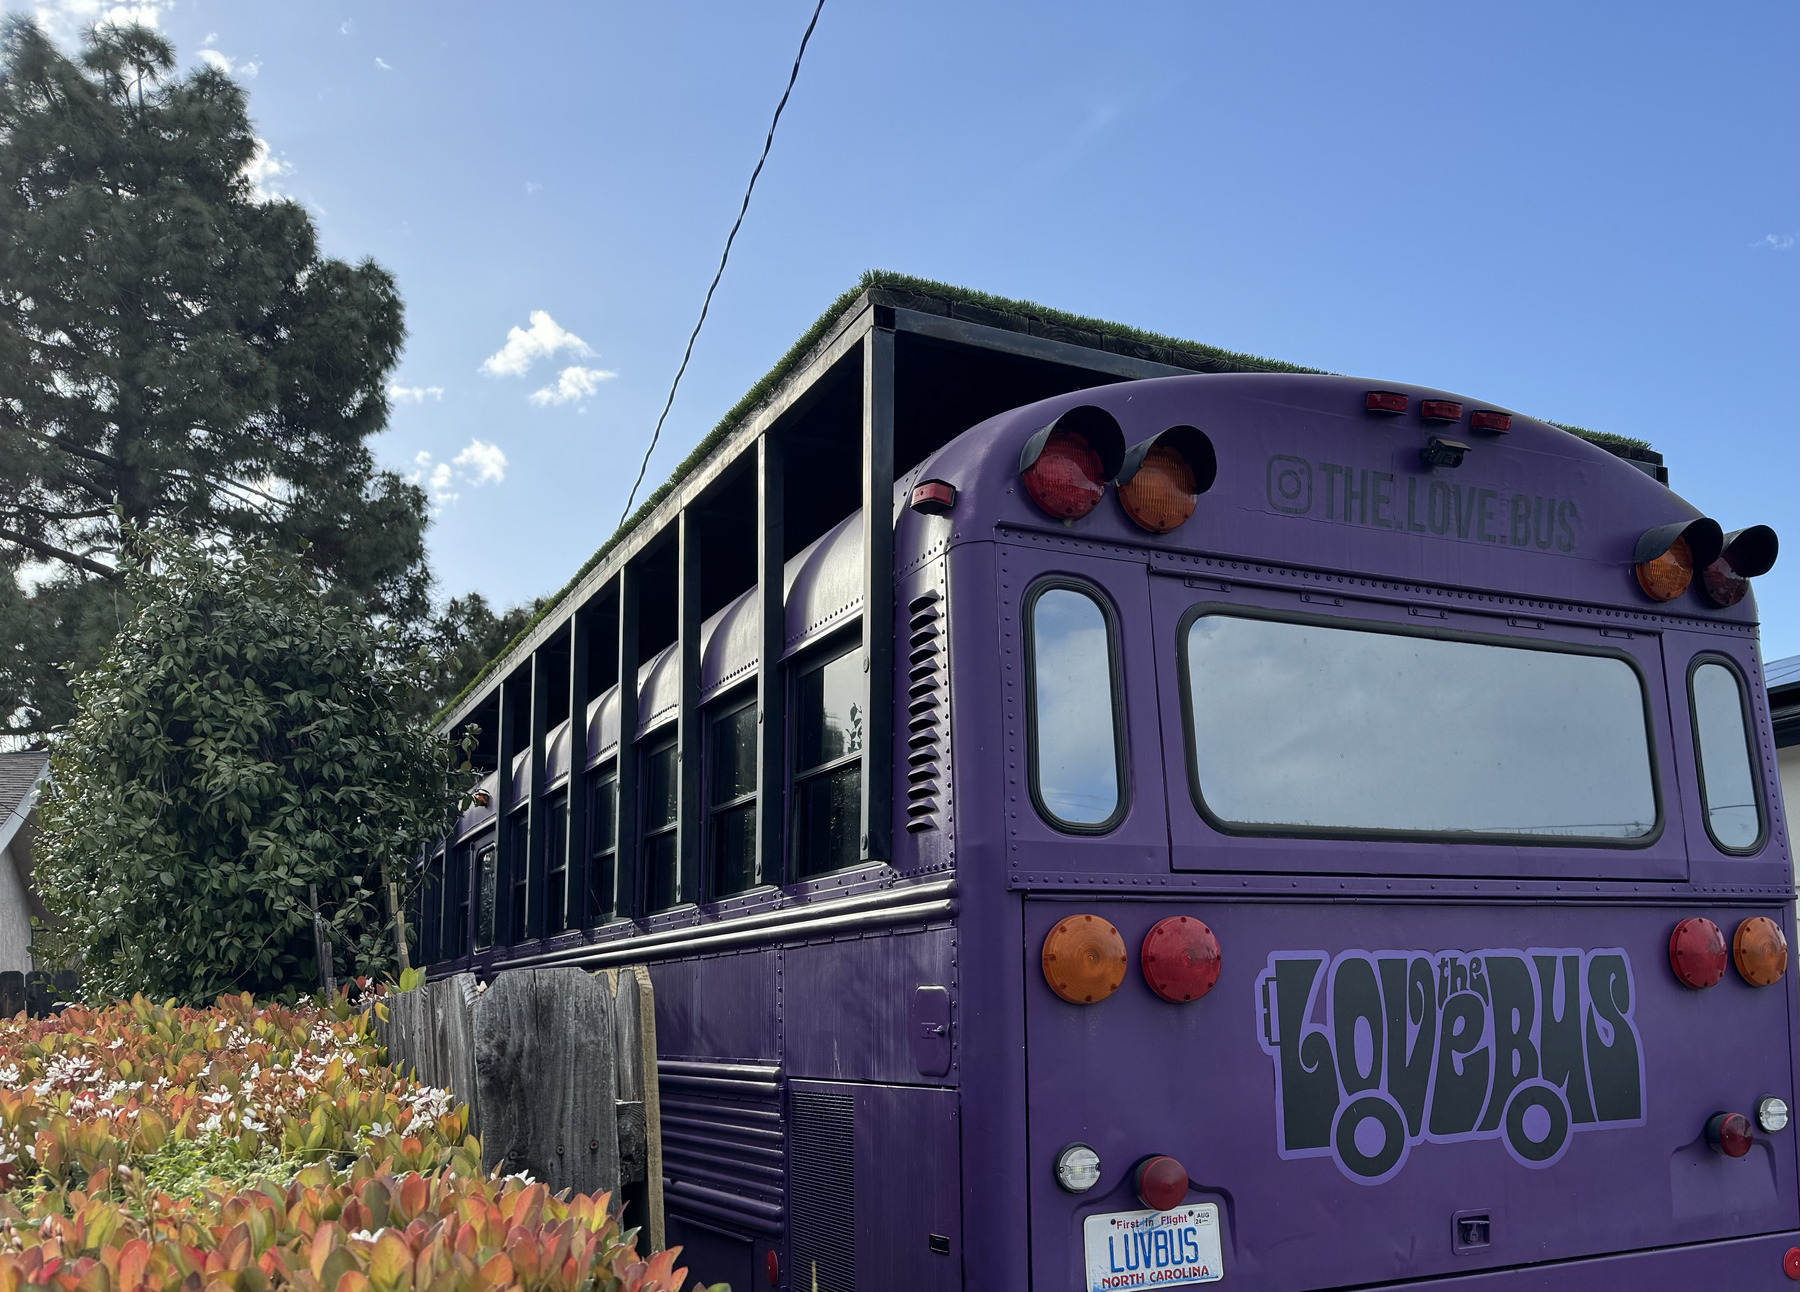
x: 1153, y: 1249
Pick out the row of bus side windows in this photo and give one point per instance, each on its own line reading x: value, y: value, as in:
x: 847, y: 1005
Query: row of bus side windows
x: 827, y: 707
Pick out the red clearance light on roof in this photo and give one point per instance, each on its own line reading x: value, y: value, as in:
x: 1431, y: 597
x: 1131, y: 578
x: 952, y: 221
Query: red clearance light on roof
x: 1746, y: 554
x: 1730, y: 1134
x: 1163, y: 477
x: 1160, y: 1183
x: 1666, y: 557
x: 1697, y: 953
x: 1385, y: 401
x: 1486, y: 419
x: 933, y: 497
x: 1440, y: 410
x: 1066, y: 464
x: 1180, y: 958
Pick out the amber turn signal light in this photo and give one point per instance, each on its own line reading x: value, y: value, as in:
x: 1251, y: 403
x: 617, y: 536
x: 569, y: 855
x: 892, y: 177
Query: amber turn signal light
x: 1084, y: 959
x: 1666, y: 557
x: 1164, y: 476
x: 1697, y: 952
x: 1760, y: 950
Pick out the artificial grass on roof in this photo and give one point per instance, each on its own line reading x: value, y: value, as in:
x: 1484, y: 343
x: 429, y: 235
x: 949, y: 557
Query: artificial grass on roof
x: 1007, y: 312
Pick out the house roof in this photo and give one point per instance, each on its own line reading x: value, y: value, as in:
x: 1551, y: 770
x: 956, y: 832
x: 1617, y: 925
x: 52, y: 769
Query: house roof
x: 1781, y: 672
x: 19, y: 773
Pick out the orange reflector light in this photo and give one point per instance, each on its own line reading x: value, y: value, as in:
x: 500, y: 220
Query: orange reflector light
x: 1665, y: 577
x: 1084, y: 959
x: 1180, y: 959
x: 1760, y: 951
x: 1697, y: 953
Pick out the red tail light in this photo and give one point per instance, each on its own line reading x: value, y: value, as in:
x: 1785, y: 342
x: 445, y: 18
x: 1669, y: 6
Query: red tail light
x: 1746, y: 554
x: 1730, y: 1134
x: 1440, y: 410
x: 1066, y: 464
x: 1697, y: 953
x: 1160, y: 1183
x: 1486, y: 419
x: 1790, y: 1264
x: 1385, y: 401
x: 1180, y: 959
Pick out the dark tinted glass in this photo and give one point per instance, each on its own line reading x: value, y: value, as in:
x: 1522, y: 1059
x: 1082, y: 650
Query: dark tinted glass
x: 830, y: 704
x: 828, y: 818
x: 556, y: 865
x: 428, y: 916
x: 521, y: 876
x: 661, y: 791
x: 453, y: 937
x: 1317, y: 726
x: 734, y: 754
x: 734, y: 850
x: 602, y: 845
x: 662, y: 876
x: 1726, y: 779
x: 489, y: 883
x: 1075, y: 741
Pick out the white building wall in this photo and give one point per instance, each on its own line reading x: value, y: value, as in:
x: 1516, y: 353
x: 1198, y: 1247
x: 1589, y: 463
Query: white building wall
x: 15, y: 917
x: 1789, y: 761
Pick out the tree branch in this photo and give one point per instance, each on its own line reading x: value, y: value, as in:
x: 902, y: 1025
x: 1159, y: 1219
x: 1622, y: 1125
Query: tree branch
x: 58, y: 554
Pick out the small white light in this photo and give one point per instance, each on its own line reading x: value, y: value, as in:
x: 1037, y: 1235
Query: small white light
x: 1078, y: 1168
x: 1772, y: 1115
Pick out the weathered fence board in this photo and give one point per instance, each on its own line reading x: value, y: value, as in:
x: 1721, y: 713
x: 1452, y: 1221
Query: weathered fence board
x: 636, y: 1030
x: 544, y: 1078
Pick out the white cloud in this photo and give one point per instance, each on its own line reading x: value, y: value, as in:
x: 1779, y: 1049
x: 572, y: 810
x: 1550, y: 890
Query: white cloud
x: 571, y: 384
x: 383, y: 64
x: 214, y: 58
x: 211, y: 38
x: 477, y: 464
x: 263, y: 169
x: 345, y: 29
x: 65, y: 20
x: 532, y: 186
x: 1774, y: 242
x: 415, y: 394
x: 525, y: 347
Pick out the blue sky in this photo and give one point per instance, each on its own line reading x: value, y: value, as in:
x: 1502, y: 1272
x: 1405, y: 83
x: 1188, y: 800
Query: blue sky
x: 1584, y: 212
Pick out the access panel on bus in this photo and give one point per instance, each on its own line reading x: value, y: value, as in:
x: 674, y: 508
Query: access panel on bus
x: 1379, y: 1091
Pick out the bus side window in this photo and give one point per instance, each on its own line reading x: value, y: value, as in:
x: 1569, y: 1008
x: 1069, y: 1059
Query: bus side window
x: 453, y: 934
x: 662, y: 862
x: 520, y: 825
x: 489, y: 881
x: 1722, y: 750
x: 603, y: 840
x: 1073, y: 709
x: 827, y: 768
x: 556, y: 865
x: 731, y: 799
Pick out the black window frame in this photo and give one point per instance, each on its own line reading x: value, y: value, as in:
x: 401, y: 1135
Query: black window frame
x: 453, y: 922
x: 1116, y: 678
x: 518, y: 908
x: 1754, y: 754
x: 487, y: 890
x: 1646, y: 840
x: 841, y: 645
x: 728, y: 706
x: 605, y: 903
x: 665, y: 740
x: 556, y: 862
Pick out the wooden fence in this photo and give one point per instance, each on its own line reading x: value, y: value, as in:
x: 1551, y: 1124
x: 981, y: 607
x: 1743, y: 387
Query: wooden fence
x: 558, y: 1068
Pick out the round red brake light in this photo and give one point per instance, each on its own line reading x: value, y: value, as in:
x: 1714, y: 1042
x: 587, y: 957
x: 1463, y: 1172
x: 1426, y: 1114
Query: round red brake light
x: 1160, y: 1183
x: 1067, y: 480
x: 1180, y: 959
x: 1729, y: 1133
x: 1697, y: 952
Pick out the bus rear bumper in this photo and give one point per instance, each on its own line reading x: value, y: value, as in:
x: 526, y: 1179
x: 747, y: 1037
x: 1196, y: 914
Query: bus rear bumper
x: 1738, y: 1264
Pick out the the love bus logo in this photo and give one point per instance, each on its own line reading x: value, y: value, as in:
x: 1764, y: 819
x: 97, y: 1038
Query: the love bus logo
x: 1378, y: 1051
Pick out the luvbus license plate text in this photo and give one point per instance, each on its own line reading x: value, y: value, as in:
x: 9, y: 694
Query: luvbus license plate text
x: 1153, y: 1249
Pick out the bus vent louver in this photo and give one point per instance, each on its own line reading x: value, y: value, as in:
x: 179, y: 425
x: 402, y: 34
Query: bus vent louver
x: 724, y: 1151
x: 924, y: 706
x: 824, y: 1183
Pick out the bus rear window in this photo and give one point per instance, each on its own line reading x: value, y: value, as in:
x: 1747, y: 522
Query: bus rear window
x: 1313, y: 728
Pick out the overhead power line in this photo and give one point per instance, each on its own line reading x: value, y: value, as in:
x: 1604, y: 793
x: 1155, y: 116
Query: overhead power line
x: 723, y: 257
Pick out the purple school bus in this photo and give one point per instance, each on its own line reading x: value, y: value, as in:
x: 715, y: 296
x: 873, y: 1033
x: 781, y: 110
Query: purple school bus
x: 1106, y: 813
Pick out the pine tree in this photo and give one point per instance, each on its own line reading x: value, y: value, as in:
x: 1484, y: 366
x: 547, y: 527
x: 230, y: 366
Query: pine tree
x: 174, y: 351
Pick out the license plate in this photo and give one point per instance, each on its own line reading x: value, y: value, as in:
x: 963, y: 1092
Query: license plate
x: 1153, y: 1249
